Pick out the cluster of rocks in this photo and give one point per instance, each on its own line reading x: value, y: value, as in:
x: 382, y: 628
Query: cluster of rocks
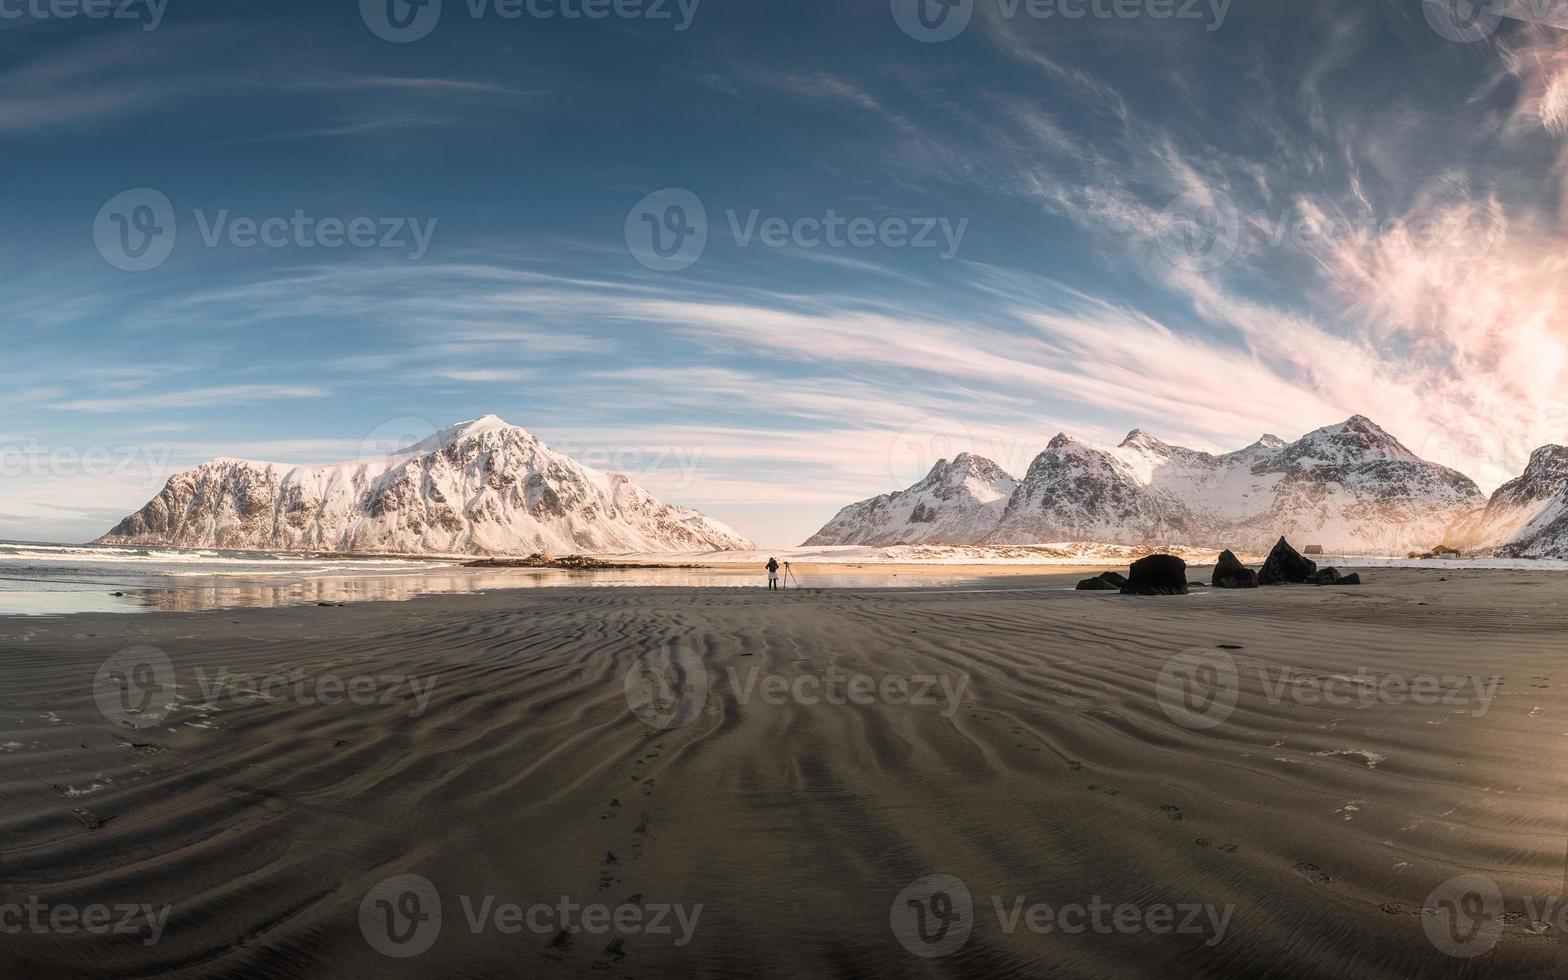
x: 1167, y: 574
x: 1286, y: 566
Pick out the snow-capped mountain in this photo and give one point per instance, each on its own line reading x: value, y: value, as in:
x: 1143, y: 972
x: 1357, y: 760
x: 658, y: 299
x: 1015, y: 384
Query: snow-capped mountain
x: 958, y: 502
x: 477, y: 488
x: 1527, y: 517
x: 1351, y: 488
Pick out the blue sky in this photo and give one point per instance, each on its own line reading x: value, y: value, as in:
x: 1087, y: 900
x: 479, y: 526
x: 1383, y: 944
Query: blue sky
x: 1228, y: 220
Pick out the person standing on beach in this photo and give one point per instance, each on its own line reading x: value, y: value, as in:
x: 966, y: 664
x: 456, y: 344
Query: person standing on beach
x: 773, y: 574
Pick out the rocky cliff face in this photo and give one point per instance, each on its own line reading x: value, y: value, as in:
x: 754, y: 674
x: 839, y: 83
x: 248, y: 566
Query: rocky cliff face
x: 1526, y: 517
x: 479, y: 488
x: 1351, y: 488
x: 958, y: 502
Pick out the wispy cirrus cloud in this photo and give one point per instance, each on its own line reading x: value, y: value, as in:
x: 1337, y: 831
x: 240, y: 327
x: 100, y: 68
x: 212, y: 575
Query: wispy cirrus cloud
x: 191, y: 398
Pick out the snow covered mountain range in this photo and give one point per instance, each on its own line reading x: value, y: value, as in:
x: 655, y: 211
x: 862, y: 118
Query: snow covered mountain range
x: 477, y: 488
x: 958, y: 502
x: 1351, y: 488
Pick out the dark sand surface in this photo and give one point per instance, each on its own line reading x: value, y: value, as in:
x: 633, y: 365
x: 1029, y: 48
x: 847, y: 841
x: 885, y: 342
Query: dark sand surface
x: 1319, y: 831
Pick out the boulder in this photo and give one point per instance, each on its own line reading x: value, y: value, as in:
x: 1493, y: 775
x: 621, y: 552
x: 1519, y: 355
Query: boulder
x: 1354, y: 578
x: 1331, y: 576
x: 1285, y: 564
x: 1230, y: 573
x: 1103, y: 582
x: 1157, y: 575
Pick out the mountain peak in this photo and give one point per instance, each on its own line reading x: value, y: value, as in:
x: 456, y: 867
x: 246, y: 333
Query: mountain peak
x: 1358, y: 431
x: 1270, y: 441
x: 1139, y: 439
x: 464, y: 430
x: 1549, y: 453
x: 962, y: 467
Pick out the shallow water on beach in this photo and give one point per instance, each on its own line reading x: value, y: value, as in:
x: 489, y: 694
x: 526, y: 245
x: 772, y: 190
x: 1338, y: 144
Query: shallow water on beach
x: 54, y: 580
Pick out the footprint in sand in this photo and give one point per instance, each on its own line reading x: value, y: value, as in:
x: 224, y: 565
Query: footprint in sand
x: 1311, y: 871
x: 1026, y: 748
x: 612, y: 810
x: 642, y: 831
x: 1229, y: 848
x: 559, y: 946
x: 647, y: 788
x: 1074, y: 766
x: 606, y: 880
x: 1172, y: 811
x: 613, y: 954
x: 1096, y: 787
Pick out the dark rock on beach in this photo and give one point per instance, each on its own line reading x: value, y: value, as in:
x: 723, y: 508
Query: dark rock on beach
x: 1103, y: 582
x: 1230, y: 573
x: 1331, y: 576
x: 1285, y: 564
x: 1157, y: 575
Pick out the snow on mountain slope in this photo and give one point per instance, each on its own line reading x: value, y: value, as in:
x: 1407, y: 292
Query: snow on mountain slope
x: 1076, y: 492
x: 482, y: 487
x: 1527, y: 517
x: 958, y: 502
x: 1351, y: 488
